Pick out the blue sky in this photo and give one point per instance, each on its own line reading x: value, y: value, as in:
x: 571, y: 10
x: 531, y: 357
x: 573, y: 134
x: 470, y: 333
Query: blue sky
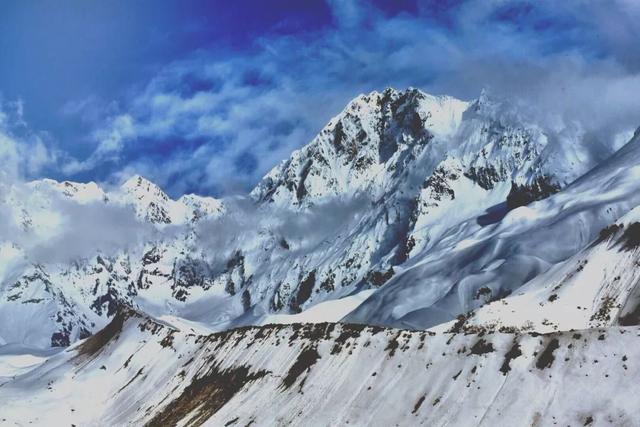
x: 207, y: 96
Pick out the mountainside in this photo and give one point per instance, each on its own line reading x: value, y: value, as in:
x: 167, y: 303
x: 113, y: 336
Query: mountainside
x: 476, y: 262
x: 595, y: 288
x: 137, y: 371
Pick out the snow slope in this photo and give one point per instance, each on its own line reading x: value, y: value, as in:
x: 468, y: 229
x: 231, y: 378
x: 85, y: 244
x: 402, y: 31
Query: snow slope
x: 596, y: 287
x: 138, y: 371
x: 474, y: 263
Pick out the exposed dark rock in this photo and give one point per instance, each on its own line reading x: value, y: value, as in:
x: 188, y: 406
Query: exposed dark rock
x: 483, y: 291
x: 338, y: 137
x: 513, y: 353
x: 230, y: 287
x: 301, y: 190
x: 461, y: 321
x: 167, y: 341
x: 151, y: 257
x: 546, y: 358
x: 630, y: 239
x: 607, y: 233
x: 60, y: 339
x: 191, y: 272
x: 304, y: 292
x: 486, y: 177
x: 246, y: 300
x: 99, y: 340
x: 630, y: 319
x: 157, y: 214
x: 328, y: 284
x: 408, y: 246
x: 237, y: 260
x: 379, y: 278
x: 438, y: 182
x: 603, y: 314
x: 110, y: 301
x: 418, y: 404
x: 481, y: 347
x: 393, y: 344
x: 206, y: 395
x: 522, y: 195
x: 306, y: 359
x: 180, y: 294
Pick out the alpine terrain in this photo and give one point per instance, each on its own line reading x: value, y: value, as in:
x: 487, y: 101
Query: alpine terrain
x: 422, y: 261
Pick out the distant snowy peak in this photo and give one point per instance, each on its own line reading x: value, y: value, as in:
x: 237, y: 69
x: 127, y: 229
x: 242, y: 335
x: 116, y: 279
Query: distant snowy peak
x: 154, y: 205
x: 201, y: 207
x: 35, y: 207
x: 444, y: 112
x: 412, y: 108
x: 148, y: 200
x: 362, y: 146
x: 79, y: 192
x: 142, y: 188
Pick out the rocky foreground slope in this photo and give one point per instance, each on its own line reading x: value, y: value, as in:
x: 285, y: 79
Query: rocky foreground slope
x: 138, y: 371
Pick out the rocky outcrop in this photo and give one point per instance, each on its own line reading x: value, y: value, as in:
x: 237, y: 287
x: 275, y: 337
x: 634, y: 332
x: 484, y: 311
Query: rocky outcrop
x: 280, y: 374
x: 523, y: 194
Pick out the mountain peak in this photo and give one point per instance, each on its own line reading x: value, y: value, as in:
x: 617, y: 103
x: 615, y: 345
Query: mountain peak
x: 150, y: 202
x: 78, y: 191
x: 361, y: 147
x: 138, y: 182
x: 154, y: 205
x: 142, y: 188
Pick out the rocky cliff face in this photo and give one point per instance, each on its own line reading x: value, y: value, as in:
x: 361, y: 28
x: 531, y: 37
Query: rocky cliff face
x: 365, y: 148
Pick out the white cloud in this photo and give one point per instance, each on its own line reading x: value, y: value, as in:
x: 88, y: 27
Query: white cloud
x: 111, y: 140
x: 23, y: 153
x: 570, y: 61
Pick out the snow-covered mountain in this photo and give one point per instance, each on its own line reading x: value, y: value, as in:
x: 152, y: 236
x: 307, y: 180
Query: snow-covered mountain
x: 76, y: 252
x: 476, y: 262
x: 470, y: 223
x: 395, y: 189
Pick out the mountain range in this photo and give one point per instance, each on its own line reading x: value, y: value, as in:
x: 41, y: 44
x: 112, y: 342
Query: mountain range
x: 422, y: 260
